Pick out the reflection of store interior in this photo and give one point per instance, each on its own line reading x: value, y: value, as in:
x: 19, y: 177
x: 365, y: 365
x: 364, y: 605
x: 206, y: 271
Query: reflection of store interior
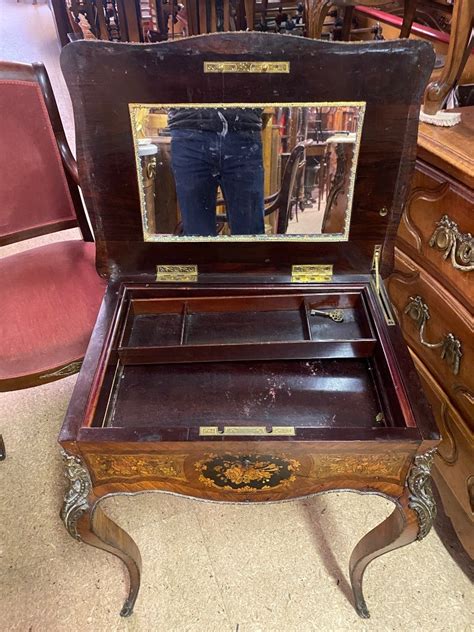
x: 319, y: 196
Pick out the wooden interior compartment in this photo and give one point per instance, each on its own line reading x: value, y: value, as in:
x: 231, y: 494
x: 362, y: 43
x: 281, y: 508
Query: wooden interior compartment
x: 297, y: 393
x: 224, y: 328
x: 289, y: 389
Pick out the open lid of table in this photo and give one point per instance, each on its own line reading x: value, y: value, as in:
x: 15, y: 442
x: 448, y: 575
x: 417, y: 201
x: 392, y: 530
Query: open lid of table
x: 105, y: 78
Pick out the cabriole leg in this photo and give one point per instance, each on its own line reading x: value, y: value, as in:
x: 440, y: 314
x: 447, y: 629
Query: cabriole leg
x: 411, y: 520
x: 86, y: 522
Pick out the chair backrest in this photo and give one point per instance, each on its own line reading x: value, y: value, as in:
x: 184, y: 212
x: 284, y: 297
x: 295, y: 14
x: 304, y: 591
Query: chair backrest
x: 204, y: 17
x: 38, y: 185
x: 287, y: 186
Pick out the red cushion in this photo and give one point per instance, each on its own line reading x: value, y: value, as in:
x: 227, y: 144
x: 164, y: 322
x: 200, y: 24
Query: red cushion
x: 50, y: 297
x: 33, y: 186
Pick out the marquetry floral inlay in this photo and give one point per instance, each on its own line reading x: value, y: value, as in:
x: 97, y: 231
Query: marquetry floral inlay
x: 107, y: 466
x: 360, y: 465
x: 246, y: 473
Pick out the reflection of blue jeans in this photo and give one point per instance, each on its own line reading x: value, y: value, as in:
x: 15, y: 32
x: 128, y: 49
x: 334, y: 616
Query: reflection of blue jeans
x: 201, y: 162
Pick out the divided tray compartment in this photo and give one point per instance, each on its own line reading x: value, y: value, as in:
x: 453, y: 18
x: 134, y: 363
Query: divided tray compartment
x: 181, y: 360
x: 253, y: 327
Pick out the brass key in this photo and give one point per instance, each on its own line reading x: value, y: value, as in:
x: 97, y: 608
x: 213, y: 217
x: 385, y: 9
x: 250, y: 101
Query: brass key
x: 334, y: 314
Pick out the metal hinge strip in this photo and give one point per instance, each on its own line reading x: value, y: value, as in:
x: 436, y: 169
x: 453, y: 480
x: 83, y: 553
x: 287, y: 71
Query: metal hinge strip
x: 379, y: 287
x: 312, y: 273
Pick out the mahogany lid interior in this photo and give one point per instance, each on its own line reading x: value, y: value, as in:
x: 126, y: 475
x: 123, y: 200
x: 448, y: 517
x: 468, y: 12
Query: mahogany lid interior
x: 104, y: 78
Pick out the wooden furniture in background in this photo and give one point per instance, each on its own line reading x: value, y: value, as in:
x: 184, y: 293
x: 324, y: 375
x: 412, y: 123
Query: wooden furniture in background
x: 432, y: 290
x: 144, y: 414
x: 450, y: 30
x: 460, y: 45
x: 316, y: 12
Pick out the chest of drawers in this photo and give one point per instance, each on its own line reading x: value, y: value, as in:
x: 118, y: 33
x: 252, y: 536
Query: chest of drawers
x: 432, y: 292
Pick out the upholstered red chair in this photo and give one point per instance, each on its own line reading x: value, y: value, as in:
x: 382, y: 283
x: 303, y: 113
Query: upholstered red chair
x: 49, y: 295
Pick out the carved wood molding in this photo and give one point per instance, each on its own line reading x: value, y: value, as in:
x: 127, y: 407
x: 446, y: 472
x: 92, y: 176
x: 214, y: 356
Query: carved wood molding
x: 428, y: 195
x: 447, y: 450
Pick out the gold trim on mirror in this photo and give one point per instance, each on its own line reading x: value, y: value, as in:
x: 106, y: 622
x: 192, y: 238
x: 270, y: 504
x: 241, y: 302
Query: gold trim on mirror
x: 247, y: 66
x: 150, y: 236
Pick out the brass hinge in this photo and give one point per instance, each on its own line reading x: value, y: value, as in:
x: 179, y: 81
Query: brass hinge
x: 311, y: 273
x: 177, y: 274
x: 376, y: 266
x: 379, y: 287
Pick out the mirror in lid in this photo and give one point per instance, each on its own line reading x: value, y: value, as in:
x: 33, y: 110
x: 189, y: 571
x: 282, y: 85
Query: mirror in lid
x: 247, y: 171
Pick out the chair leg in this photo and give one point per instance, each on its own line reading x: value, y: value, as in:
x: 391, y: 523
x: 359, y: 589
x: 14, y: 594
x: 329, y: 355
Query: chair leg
x: 347, y: 24
x: 408, y: 17
x: 3, y: 453
x: 250, y: 14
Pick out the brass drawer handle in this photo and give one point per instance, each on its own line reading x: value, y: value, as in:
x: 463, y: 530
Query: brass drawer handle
x: 450, y: 346
x: 459, y: 246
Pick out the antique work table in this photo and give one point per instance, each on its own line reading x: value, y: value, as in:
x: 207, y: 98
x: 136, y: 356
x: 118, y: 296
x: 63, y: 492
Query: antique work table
x: 219, y: 383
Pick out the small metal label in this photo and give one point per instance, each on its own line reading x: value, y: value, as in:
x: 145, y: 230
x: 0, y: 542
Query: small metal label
x: 213, y: 431
x: 311, y: 273
x: 247, y: 66
x: 177, y: 274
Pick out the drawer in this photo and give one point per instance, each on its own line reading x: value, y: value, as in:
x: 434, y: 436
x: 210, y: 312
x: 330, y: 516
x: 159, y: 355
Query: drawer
x: 455, y: 458
x: 435, y: 231
x: 437, y: 327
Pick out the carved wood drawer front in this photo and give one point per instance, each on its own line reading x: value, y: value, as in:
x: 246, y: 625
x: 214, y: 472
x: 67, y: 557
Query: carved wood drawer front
x: 455, y: 456
x: 436, y: 231
x: 437, y: 327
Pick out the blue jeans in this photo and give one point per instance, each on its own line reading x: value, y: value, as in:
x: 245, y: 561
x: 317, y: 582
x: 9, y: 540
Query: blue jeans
x: 202, y: 161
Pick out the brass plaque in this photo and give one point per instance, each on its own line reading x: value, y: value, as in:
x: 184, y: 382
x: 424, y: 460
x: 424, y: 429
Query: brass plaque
x: 311, y: 273
x: 247, y: 66
x: 212, y: 431
x: 177, y: 274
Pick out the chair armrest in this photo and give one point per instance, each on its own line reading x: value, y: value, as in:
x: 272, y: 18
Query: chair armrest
x: 68, y: 159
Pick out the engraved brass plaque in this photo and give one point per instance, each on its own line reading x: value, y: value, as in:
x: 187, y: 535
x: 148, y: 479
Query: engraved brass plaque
x: 247, y: 66
x: 212, y: 431
x: 177, y: 274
